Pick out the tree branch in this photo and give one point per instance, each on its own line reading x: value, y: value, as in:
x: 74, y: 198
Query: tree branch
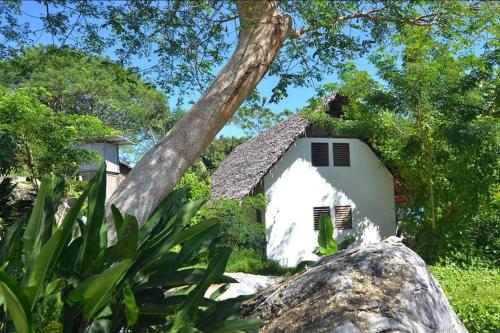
x: 423, y: 20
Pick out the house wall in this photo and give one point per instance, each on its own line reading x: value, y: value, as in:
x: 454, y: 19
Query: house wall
x: 293, y: 187
x: 107, y: 151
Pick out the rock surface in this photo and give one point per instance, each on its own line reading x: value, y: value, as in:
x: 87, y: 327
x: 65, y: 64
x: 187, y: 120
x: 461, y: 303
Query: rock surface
x: 384, y: 287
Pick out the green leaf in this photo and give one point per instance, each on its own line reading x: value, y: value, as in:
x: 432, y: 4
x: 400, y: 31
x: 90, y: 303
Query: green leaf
x: 12, y: 239
x: 51, y: 205
x: 196, y: 229
x: 183, y: 277
x: 126, y: 246
x: 97, y: 196
x: 42, y: 268
x: 214, y: 270
x: 96, y: 291
x: 325, y: 235
x: 162, y: 214
x: 198, y: 243
x: 180, y: 219
x: 54, y: 287
x: 219, y: 291
x: 67, y: 226
x: 117, y: 218
x: 17, y: 304
x: 131, y: 309
x: 32, y: 236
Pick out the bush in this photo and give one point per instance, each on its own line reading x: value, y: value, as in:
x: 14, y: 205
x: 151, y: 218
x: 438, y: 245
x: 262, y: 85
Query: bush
x: 473, y: 294
x: 239, y: 228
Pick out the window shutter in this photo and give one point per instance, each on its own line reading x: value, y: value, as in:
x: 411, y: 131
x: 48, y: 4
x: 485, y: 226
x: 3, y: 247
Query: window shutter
x: 319, y: 153
x: 341, y: 154
x: 343, y: 217
x: 318, y: 211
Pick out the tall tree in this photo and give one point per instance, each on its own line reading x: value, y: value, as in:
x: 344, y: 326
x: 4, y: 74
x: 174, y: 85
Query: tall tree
x: 191, y: 38
x: 434, y: 119
x: 82, y: 84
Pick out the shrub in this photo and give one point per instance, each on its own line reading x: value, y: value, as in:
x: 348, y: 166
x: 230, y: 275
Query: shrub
x: 473, y: 294
x: 239, y: 228
x: 134, y: 285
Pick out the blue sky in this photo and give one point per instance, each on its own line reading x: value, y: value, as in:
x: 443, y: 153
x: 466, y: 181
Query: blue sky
x: 297, y: 97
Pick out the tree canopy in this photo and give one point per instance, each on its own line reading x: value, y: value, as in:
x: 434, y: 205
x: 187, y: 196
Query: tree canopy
x: 82, y: 84
x: 434, y: 119
x: 44, y: 141
x: 186, y: 42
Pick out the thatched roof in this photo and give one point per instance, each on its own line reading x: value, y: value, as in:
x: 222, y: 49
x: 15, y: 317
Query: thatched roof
x: 242, y: 170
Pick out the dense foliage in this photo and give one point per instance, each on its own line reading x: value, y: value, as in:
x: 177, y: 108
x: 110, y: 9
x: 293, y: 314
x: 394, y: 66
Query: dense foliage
x: 183, y: 43
x: 239, y: 226
x: 83, y: 84
x: 218, y: 151
x: 44, y: 141
x: 474, y: 295
x: 67, y: 278
x: 433, y: 120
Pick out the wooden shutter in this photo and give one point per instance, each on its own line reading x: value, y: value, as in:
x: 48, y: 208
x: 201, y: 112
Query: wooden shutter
x: 343, y: 217
x: 318, y: 211
x: 319, y: 153
x: 341, y: 154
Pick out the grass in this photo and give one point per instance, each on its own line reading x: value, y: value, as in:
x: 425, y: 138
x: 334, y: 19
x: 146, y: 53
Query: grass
x: 255, y: 262
x: 474, y: 294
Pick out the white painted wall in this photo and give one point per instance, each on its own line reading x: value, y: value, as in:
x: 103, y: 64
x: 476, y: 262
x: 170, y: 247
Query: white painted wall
x: 293, y: 187
x: 107, y: 151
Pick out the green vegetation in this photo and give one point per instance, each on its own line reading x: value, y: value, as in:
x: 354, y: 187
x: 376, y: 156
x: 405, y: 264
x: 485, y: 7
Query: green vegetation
x: 254, y: 261
x: 82, y: 84
x: 474, y: 295
x: 44, y: 141
x: 68, y: 277
x: 239, y: 226
x: 433, y: 121
x: 326, y: 244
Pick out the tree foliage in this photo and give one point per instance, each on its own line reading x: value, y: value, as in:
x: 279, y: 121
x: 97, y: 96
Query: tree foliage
x: 184, y: 41
x: 84, y: 84
x: 45, y: 141
x: 434, y: 120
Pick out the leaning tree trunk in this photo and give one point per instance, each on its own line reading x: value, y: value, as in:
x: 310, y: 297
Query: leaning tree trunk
x: 263, y: 30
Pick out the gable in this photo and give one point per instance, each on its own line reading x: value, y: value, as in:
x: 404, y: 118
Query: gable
x: 248, y: 163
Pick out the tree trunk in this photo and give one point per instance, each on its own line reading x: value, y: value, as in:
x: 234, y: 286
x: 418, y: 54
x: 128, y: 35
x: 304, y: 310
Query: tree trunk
x: 262, y: 32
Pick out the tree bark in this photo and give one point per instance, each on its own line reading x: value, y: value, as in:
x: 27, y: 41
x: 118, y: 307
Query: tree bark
x: 263, y: 29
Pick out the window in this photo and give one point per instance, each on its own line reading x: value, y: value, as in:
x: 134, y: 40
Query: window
x: 319, y: 153
x: 318, y: 211
x: 341, y: 154
x: 343, y: 217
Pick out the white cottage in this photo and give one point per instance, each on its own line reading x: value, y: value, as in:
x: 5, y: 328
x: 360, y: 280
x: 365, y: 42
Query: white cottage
x: 303, y: 172
x: 108, y: 149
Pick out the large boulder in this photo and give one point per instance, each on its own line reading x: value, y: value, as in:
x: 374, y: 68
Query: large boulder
x: 384, y: 287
